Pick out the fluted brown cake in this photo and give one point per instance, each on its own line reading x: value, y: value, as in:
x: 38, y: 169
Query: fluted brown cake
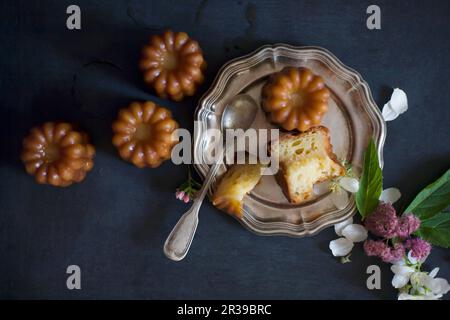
x: 57, y: 154
x: 173, y: 65
x: 295, y: 98
x: 144, y: 134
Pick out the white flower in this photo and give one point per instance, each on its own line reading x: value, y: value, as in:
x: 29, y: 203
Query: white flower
x: 349, y: 233
x: 439, y: 286
x: 322, y: 187
x: 434, y: 272
x: 339, y: 196
x: 407, y: 296
x: 355, y: 233
x: 428, y: 285
x: 341, y: 247
x: 402, y: 274
x: 390, y: 195
x: 396, y: 106
x: 419, y: 280
x: 424, y: 286
x: 338, y: 227
x: 399, y: 281
x: 349, y: 184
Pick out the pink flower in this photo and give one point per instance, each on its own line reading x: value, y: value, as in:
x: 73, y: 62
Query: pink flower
x: 382, y: 250
x: 383, y: 221
x: 374, y: 248
x: 420, y: 249
x: 179, y: 195
x: 407, y: 224
x: 393, y: 254
x: 186, y: 198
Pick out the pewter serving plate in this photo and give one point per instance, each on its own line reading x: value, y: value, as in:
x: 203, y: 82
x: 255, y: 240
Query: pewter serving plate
x: 353, y: 117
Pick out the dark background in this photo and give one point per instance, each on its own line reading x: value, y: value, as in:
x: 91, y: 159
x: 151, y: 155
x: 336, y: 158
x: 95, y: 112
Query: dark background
x: 113, y: 225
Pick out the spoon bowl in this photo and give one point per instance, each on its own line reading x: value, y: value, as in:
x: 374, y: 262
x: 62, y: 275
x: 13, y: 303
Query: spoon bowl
x: 239, y: 113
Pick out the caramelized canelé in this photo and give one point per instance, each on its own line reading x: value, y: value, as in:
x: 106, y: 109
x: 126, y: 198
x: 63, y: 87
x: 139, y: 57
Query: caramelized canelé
x: 295, y: 98
x: 173, y: 65
x: 144, y: 134
x: 57, y: 154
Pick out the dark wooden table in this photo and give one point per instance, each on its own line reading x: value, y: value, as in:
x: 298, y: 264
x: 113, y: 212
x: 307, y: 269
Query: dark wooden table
x: 113, y: 225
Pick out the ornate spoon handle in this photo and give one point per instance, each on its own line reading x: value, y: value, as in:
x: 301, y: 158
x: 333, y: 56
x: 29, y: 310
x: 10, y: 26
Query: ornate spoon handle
x: 180, y: 238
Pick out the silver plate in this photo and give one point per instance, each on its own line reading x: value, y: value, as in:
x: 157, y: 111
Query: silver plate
x: 353, y: 117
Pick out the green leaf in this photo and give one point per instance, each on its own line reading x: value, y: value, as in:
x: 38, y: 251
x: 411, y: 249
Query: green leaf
x: 438, y: 236
x: 371, y: 182
x: 436, y: 230
x: 433, y: 199
x: 436, y: 220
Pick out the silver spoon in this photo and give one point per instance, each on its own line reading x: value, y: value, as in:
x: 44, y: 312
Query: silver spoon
x: 239, y: 113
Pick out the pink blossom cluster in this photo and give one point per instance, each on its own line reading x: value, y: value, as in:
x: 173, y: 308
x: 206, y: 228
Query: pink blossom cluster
x: 385, y: 223
x: 183, y: 196
x: 407, y: 224
x: 383, y: 250
x: 420, y: 249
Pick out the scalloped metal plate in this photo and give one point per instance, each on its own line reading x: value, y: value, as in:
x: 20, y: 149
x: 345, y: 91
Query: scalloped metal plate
x: 353, y: 117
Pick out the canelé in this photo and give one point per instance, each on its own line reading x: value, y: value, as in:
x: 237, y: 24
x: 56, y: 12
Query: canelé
x: 173, y: 65
x: 144, y: 134
x: 57, y: 154
x: 295, y: 98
